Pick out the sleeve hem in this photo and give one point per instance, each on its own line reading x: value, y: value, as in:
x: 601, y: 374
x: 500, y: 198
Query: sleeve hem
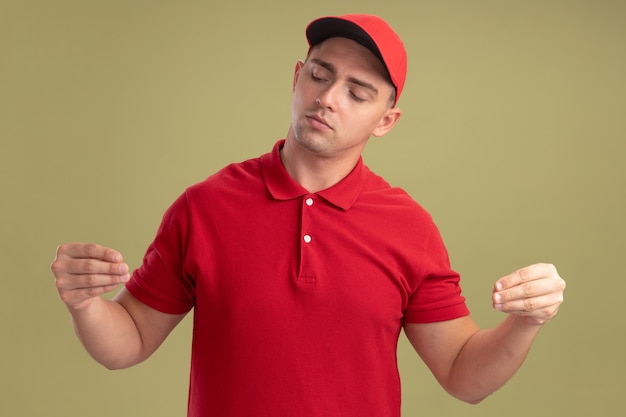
x: 146, y: 298
x: 432, y: 316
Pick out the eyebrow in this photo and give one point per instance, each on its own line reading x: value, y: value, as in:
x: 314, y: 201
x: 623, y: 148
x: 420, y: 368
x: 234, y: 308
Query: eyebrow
x: 330, y: 67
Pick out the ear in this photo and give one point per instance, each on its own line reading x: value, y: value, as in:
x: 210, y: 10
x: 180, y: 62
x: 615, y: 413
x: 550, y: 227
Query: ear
x: 296, y: 73
x: 387, y: 122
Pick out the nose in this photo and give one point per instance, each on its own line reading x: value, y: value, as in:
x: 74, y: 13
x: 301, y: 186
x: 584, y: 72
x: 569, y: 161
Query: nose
x: 328, y: 97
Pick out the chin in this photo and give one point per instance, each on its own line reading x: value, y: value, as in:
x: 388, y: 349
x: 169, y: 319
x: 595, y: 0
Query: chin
x: 311, y: 141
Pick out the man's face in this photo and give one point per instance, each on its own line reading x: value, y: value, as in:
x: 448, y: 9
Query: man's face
x: 341, y: 98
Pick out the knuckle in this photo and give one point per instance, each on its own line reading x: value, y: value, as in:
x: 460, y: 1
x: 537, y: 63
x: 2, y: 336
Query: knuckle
x: 55, y: 267
x: 90, y: 280
x: 58, y: 283
x: 108, y: 254
x: 92, y: 292
x: 529, y: 304
x: 523, y: 274
x: 90, y: 266
x: 529, y: 289
x: 62, y: 248
x: 114, y: 269
x: 89, y: 248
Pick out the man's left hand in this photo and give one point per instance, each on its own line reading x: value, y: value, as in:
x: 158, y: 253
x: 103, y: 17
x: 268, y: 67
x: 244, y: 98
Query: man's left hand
x: 534, y: 292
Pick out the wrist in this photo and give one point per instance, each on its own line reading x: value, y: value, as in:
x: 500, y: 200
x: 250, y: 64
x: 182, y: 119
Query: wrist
x: 524, y: 323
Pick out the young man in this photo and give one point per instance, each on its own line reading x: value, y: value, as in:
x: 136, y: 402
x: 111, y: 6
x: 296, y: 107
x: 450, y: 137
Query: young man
x: 302, y: 266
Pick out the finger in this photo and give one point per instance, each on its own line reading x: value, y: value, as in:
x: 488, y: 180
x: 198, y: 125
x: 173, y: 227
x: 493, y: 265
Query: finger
x: 526, y: 289
x: 523, y: 275
x: 94, y: 267
x: 79, y: 265
x: 73, y: 298
x: 536, y: 311
x: 529, y: 305
x: 85, y: 281
x: 89, y: 250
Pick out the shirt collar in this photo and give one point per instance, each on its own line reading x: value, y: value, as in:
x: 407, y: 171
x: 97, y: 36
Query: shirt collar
x: 282, y: 187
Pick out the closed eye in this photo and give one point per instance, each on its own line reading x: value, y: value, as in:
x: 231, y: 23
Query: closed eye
x: 356, y: 98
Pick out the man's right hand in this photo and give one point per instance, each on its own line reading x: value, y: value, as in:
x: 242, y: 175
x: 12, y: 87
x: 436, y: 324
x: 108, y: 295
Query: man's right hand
x: 84, y: 271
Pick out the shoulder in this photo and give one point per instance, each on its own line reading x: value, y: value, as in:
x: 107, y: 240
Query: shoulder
x: 236, y: 175
x: 223, y: 188
x: 378, y: 191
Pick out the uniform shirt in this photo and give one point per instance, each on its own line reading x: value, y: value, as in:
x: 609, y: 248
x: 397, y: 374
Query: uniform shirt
x: 298, y: 297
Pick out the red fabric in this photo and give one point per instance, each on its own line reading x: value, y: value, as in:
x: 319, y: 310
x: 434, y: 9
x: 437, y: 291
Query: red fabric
x: 283, y: 327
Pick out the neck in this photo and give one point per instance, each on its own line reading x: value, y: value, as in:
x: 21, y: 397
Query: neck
x: 314, y: 172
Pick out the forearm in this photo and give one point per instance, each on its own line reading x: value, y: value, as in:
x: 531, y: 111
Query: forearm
x: 490, y: 358
x: 108, y: 333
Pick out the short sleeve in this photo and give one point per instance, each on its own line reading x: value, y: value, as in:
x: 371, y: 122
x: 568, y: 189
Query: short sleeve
x: 162, y: 282
x: 438, y: 296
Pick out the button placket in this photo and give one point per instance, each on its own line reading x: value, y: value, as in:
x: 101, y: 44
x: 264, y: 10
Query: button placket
x: 308, y: 204
x: 307, y: 275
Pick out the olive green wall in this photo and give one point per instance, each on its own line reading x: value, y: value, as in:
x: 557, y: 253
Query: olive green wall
x: 512, y: 137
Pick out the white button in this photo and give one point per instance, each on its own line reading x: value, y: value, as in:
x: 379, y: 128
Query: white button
x: 307, y: 238
x: 309, y: 201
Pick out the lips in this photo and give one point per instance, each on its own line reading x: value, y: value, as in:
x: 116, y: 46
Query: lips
x: 318, y: 121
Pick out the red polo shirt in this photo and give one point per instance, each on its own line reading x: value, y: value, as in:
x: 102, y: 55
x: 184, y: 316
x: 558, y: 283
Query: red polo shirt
x: 298, y: 297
